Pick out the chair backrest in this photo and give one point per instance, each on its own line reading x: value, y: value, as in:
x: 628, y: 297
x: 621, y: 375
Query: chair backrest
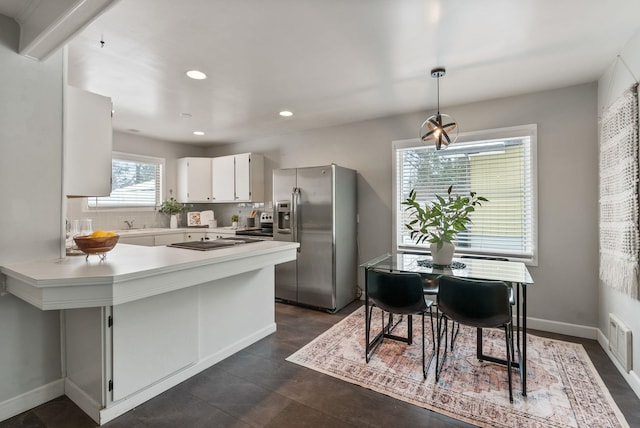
x: 473, y: 302
x: 396, y: 292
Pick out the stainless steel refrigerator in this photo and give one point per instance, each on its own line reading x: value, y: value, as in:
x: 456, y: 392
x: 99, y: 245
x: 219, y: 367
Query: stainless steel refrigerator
x: 316, y: 206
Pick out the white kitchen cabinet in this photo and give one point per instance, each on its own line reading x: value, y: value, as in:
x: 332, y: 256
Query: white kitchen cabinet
x: 147, y: 348
x: 194, y: 236
x: 238, y: 178
x: 171, y: 238
x: 194, y: 180
x: 146, y: 240
x: 223, y: 177
x: 88, y: 140
x: 218, y: 233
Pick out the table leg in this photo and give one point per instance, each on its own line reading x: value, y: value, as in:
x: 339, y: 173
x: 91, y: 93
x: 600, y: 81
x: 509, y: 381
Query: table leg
x: 523, y: 369
x: 366, y: 317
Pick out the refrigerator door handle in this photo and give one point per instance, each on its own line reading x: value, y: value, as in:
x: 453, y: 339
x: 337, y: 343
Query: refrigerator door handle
x: 295, y: 215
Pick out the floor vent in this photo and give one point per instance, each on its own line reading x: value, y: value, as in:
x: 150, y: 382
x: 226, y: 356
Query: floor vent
x: 620, y: 342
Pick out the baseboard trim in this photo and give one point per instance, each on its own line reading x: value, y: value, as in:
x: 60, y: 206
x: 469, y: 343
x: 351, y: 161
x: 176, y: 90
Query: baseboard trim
x: 562, y: 328
x: 30, y: 399
x: 631, y: 377
x: 88, y: 405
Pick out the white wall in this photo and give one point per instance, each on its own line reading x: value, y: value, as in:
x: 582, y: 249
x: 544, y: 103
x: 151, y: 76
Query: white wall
x: 30, y: 223
x: 566, y: 277
x: 616, y: 80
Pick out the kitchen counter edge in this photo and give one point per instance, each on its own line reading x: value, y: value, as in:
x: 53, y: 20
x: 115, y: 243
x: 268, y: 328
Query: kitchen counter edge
x: 132, y: 272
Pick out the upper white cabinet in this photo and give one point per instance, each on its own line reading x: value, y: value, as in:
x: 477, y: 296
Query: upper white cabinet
x: 234, y: 178
x: 88, y: 140
x: 194, y: 180
x: 238, y: 178
x: 223, y: 175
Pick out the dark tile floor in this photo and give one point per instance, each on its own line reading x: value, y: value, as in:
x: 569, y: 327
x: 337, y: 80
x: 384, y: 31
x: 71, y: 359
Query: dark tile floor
x: 258, y: 388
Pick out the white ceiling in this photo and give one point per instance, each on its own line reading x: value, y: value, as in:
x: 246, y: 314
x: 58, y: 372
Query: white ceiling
x: 331, y: 61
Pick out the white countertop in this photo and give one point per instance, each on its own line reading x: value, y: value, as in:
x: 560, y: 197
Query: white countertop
x: 132, y: 272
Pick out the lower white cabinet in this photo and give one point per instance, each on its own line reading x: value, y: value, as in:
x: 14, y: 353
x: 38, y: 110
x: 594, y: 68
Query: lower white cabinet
x: 154, y: 240
x: 117, y: 357
x: 217, y: 234
x: 153, y: 338
x: 194, y: 236
x: 170, y: 238
x: 146, y: 240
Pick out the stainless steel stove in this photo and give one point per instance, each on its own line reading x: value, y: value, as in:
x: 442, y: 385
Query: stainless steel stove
x: 265, y: 230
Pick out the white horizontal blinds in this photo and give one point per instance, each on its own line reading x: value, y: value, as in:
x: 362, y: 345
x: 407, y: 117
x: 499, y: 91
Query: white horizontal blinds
x: 136, y: 182
x: 499, y: 170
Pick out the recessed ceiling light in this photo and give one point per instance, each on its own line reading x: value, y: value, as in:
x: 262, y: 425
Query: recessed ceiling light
x: 196, y: 74
x: 198, y: 133
x: 286, y: 113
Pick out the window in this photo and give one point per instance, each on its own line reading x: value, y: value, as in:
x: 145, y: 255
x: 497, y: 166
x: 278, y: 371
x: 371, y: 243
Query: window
x: 498, y: 164
x: 136, y: 182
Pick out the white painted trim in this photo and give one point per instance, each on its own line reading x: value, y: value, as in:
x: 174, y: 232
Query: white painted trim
x: 562, y: 328
x: 82, y: 400
x: 60, y: 28
x: 128, y: 403
x: 30, y: 399
x: 631, y: 377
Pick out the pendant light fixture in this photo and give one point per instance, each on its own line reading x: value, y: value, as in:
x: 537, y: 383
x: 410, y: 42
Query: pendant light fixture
x: 441, y: 128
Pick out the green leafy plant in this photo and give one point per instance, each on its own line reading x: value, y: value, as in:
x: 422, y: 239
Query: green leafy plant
x: 235, y: 217
x: 171, y: 206
x: 443, y: 219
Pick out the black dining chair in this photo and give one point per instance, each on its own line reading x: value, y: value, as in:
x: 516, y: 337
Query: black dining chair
x: 480, y: 304
x: 399, y: 293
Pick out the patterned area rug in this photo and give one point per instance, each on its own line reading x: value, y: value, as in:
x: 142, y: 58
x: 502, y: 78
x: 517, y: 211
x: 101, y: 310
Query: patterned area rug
x: 563, y: 387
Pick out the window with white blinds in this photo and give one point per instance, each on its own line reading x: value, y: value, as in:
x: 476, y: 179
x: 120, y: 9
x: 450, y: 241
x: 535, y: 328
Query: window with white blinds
x: 136, y: 182
x: 497, y: 164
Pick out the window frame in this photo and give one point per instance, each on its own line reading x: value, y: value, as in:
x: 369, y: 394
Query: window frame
x: 530, y: 130
x: 132, y: 157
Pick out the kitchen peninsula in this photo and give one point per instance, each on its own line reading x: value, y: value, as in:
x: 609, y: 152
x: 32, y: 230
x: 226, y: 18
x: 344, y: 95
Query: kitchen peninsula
x: 147, y: 318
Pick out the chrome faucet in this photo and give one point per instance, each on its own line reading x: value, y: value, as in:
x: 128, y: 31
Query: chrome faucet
x: 129, y: 224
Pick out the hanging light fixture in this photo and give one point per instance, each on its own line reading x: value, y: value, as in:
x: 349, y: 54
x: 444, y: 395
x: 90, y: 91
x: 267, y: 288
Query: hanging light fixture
x: 441, y: 128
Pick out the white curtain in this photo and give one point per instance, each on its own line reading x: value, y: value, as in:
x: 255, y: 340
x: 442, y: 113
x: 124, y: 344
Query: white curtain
x: 619, y: 204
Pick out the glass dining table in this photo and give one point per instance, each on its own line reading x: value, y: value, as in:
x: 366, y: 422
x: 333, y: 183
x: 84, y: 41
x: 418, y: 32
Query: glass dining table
x: 514, y: 273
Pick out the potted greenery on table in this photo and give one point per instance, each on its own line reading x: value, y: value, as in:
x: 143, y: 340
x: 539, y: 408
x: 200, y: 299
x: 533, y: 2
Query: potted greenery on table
x: 173, y: 208
x: 440, y: 221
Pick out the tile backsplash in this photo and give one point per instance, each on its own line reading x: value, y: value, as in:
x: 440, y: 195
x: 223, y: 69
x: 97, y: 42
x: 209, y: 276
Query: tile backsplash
x: 115, y: 219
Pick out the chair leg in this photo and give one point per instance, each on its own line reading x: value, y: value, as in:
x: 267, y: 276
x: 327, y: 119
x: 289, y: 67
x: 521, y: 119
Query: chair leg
x: 424, y: 370
x: 455, y: 329
x: 440, y: 336
x: 508, y: 343
x: 433, y: 343
x: 438, y: 345
x: 367, y: 334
